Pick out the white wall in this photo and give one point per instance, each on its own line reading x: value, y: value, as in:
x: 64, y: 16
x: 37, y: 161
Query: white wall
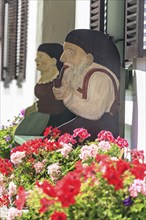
x: 82, y: 17
x: 14, y: 99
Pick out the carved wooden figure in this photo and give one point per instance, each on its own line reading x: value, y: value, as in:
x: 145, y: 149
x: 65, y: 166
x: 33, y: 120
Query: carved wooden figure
x: 46, y: 110
x: 90, y: 83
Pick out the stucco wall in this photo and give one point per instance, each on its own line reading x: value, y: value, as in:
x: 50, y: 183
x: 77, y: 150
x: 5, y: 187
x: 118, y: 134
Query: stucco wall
x: 58, y: 20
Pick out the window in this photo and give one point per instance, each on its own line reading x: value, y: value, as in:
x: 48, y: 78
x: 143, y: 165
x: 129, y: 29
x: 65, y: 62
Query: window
x: 13, y: 40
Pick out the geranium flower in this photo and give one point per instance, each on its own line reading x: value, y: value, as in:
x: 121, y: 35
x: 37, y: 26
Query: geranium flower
x: 54, y: 171
x: 66, y: 138
x: 65, y: 150
x: 137, y: 155
x: 88, y: 151
x: 113, y: 177
x: 52, y: 132
x: 138, y: 186
x: 21, y: 198
x: 47, y: 188
x: 104, y: 145
x: 13, y: 213
x: 39, y: 166
x: 17, y: 157
x: 58, y: 216
x: 121, y: 142
x: 105, y: 136
x: 81, y: 133
x: 45, y: 204
x: 12, y: 189
x: 6, y: 167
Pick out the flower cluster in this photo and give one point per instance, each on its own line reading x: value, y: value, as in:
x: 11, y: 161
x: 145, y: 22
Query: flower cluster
x: 68, y: 177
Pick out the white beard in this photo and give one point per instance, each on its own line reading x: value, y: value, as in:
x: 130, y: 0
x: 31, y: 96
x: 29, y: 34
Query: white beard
x: 73, y: 75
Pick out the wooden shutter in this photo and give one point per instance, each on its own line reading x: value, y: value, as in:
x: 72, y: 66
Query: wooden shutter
x: 134, y: 17
x: 14, y: 41
x: 22, y: 42
x: 1, y: 35
x: 98, y: 15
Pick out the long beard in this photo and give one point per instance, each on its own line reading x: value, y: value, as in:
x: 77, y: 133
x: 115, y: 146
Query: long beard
x: 73, y: 75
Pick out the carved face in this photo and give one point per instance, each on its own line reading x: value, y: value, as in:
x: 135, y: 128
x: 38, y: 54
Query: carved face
x: 43, y: 61
x: 72, y: 55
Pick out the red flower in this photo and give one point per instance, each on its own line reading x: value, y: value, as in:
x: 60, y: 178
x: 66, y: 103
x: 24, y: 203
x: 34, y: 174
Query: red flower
x: 47, y: 188
x: 138, y: 170
x: 21, y: 198
x: 58, y: 216
x: 47, y: 131
x: 54, y: 132
x: 4, y: 200
x: 82, y: 133
x: 113, y: 177
x: 122, y: 166
x: 6, y: 167
x: 67, y: 188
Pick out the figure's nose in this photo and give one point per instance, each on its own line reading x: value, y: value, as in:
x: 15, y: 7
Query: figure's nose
x: 63, y: 57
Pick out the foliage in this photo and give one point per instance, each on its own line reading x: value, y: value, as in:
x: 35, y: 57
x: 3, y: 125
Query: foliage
x: 68, y: 177
x: 7, y: 136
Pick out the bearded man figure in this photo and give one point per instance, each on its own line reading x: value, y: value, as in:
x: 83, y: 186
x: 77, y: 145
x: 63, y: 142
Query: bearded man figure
x: 90, y: 84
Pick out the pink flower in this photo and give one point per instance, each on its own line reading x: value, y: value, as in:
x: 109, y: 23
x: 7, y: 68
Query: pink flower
x: 2, y: 189
x: 105, y: 136
x: 137, y: 155
x: 138, y: 186
x: 88, y: 151
x: 17, y: 157
x: 121, y: 142
x: 13, y: 213
x: 12, y: 189
x: 104, y: 145
x: 66, y: 138
x: 82, y: 133
x: 21, y: 197
x: 39, y: 166
x: 65, y: 150
x: 54, y: 171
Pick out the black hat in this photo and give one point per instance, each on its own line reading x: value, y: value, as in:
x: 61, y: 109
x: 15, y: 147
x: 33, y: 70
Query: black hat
x: 54, y: 50
x: 99, y: 45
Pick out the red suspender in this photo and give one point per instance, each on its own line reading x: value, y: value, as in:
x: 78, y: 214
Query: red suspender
x: 83, y: 90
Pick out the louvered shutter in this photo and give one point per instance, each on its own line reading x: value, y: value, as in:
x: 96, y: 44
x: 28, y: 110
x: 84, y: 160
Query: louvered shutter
x: 15, y: 41
x: 134, y: 17
x: 98, y: 15
x: 1, y: 36
x: 22, y: 42
x: 11, y: 39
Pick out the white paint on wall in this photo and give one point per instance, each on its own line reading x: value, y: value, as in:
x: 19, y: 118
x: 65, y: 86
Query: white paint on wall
x: 82, y: 17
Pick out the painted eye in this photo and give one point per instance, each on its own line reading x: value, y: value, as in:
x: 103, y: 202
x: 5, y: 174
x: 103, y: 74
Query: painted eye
x: 70, y: 52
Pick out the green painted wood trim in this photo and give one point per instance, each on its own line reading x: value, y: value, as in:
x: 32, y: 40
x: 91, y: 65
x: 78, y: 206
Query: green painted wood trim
x: 20, y: 139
